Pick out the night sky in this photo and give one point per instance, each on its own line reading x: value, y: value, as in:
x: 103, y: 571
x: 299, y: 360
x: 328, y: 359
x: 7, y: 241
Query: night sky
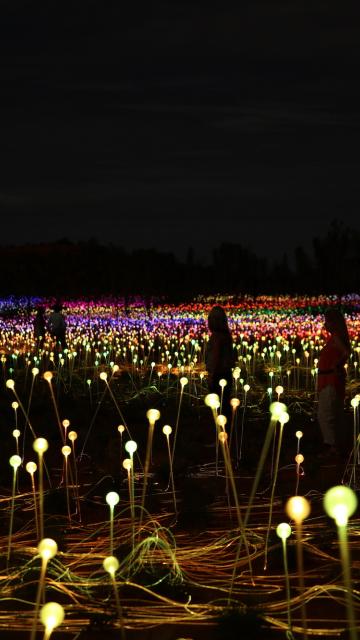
x: 184, y: 125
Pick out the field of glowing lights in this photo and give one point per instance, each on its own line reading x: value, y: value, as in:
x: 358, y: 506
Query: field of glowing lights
x: 129, y: 502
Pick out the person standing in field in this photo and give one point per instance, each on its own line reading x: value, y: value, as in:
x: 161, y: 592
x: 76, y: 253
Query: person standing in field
x: 57, y: 325
x: 331, y: 382
x: 219, y: 357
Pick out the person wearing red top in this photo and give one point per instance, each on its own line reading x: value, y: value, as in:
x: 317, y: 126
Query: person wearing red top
x: 331, y: 380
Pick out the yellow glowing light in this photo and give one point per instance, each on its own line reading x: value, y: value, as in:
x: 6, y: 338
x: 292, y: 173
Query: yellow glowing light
x: 246, y: 388
x: 127, y: 464
x: 299, y: 458
x: 112, y: 498
x: 167, y: 430
x: 298, y: 508
x: 52, y: 615
x: 121, y: 428
x: 31, y: 467
x: 10, y: 383
x: 35, y: 371
x: 130, y: 447
x: 72, y: 435
x: 48, y: 376
x: 15, y: 405
x: 66, y: 424
x: 222, y: 383
x: 40, y: 445
x: 66, y: 450
x: 212, y: 400
x: 153, y: 415
x: 223, y: 437
x: 47, y: 548
x: 276, y: 409
x: 340, y: 503
x: 15, y: 461
x: 235, y: 402
x: 221, y: 421
x: 16, y: 433
x: 103, y: 375
x: 283, y: 530
x: 299, y: 434
x: 183, y: 381
x: 111, y: 565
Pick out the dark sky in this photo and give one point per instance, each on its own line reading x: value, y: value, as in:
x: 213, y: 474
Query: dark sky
x: 184, y: 125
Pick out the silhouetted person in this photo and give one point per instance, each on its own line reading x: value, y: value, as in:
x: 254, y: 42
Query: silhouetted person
x: 39, y: 327
x: 219, y: 357
x: 331, y: 381
x: 57, y: 325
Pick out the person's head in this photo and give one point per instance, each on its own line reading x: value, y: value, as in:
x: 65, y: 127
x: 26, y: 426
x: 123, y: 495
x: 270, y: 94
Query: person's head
x: 335, y: 324
x: 217, y: 320
x: 57, y: 308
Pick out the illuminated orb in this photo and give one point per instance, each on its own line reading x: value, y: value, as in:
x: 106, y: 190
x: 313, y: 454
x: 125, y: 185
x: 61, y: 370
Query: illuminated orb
x: 52, y: 615
x: 167, y: 430
x: 153, y: 415
x: 297, y: 508
x: 31, y: 467
x: 130, y: 447
x: 47, y: 548
x: 340, y: 503
x: 212, y: 400
x: 283, y: 530
x: 111, y: 565
x: 40, y: 445
x: 112, y: 498
x: 15, y: 461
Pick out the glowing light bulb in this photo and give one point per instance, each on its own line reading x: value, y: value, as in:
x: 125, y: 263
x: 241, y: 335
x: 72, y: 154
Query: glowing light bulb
x: 40, y: 445
x: 10, y: 383
x: 297, y: 508
x: 66, y: 450
x: 235, y: 402
x: 130, y: 447
x: 212, y: 400
x: 103, y: 375
x: 153, y: 415
x: 354, y: 403
x: 47, y: 548
x: 31, y: 467
x: 276, y: 409
x: 15, y: 461
x: 111, y: 565
x: 15, y: 405
x: 299, y: 458
x: 236, y: 373
x: 246, y: 388
x: 115, y: 368
x: 222, y: 383
x: 127, y: 464
x: 183, y: 381
x: 48, y: 376
x: 16, y: 433
x: 52, y: 615
x: 299, y: 434
x: 167, y: 430
x: 72, y: 435
x: 283, y: 530
x: 121, y: 428
x: 221, y: 421
x: 112, y: 498
x: 340, y: 503
x: 66, y: 424
x: 223, y: 437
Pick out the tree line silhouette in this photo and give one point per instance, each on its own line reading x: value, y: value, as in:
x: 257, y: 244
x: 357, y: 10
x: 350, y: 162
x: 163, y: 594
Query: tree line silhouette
x: 66, y: 268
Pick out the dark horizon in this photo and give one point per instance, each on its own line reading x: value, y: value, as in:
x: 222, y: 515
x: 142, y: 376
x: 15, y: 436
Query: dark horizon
x: 179, y: 127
